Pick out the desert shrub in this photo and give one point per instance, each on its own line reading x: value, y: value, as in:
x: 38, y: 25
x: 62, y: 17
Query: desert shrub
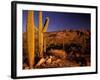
x: 81, y: 61
x: 54, y: 46
x: 72, y: 47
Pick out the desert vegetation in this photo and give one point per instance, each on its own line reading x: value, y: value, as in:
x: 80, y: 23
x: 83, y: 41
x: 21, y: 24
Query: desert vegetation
x: 65, y: 48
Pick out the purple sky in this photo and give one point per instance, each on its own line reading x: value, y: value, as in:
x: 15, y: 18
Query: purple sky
x: 61, y: 20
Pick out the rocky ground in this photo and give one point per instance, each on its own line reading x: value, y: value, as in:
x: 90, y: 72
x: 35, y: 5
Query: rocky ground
x: 54, y: 62
x: 60, y: 60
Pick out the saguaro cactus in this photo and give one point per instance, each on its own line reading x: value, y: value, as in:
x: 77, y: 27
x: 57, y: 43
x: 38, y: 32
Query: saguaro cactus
x: 41, y: 30
x: 30, y: 38
x: 30, y: 33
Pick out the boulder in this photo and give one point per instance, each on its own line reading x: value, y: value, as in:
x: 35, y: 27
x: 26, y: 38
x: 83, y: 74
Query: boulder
x: 58, y: 53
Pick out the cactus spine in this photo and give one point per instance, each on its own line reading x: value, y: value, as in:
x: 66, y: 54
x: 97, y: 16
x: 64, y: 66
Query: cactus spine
x: 30, y: 38
x: 41, y: 30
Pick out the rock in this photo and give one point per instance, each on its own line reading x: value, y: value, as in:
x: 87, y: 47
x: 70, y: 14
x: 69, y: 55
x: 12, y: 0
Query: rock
x: 58, y: 60
x: 25, y: 66
x: 48, y: 61
x: 58, y: 53
x: 42, y: 60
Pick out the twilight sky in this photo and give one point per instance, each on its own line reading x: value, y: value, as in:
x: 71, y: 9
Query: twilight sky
x: 61, y: 20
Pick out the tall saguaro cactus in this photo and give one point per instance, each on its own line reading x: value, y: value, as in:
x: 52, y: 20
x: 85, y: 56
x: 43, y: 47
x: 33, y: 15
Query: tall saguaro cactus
x: 30, y: 33
x: 41, y: 29
x: 30, y: 38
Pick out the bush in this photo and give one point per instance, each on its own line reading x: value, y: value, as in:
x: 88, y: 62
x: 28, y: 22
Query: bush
x: 54, y: 46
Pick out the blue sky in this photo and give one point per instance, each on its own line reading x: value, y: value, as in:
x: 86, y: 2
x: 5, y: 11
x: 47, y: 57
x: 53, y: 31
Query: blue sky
x: 61, y: 20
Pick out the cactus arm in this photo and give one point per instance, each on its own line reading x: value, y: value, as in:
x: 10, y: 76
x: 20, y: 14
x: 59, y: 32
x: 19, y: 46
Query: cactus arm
x: 30, y: 38
x: 46, y: 25
x: 40, y: 21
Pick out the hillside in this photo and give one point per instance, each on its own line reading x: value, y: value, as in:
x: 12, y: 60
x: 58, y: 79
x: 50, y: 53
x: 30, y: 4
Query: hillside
x: 67, y: 48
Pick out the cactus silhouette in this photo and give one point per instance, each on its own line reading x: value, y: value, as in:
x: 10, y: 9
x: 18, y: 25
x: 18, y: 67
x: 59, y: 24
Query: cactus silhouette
x: 30, y: 32
x: 30, y: 38
x: 41, y: 30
